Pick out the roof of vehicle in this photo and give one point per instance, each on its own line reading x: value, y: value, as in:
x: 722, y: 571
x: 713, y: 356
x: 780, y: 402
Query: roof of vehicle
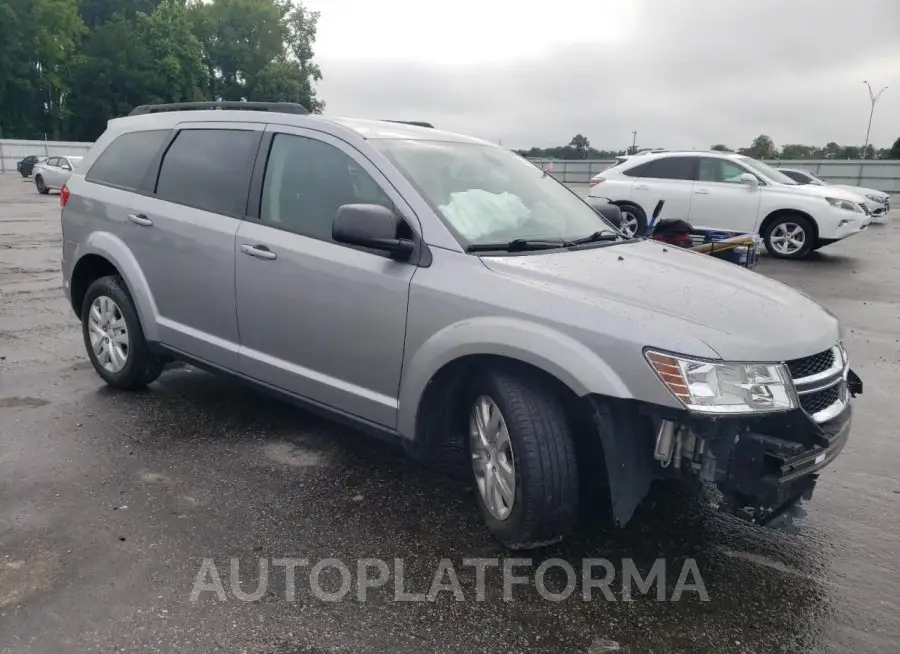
x: 285, y: 114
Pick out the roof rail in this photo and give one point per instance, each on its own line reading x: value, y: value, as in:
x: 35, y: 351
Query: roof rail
x: 417, y: 123
x: 280, y: 107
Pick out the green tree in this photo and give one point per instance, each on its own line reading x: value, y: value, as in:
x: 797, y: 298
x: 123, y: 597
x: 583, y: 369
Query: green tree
x: 762, y: 147
x: 831, y: 150
x: 894, y: 152
x: 720, y: 147
x: 849, y: 152
x: 580, y: 146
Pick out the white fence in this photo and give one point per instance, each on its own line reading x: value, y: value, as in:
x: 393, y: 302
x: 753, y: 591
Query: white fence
x: 13, y: 151
x: 883, y: 175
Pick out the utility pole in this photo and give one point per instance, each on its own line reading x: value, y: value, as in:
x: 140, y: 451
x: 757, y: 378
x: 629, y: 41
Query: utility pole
x: 634, y: 142
x: 874, y: 98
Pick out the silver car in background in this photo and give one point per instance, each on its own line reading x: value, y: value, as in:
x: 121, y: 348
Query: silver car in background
x: 53, y: 172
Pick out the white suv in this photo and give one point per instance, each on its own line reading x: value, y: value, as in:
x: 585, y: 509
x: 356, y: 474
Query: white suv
x: 734, y: 193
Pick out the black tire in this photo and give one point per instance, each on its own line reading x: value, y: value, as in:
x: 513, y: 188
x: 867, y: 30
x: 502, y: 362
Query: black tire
x: 41, y: 187
x: 545, y: 504
x: 639, y: 214
x: 799, y: 220
x: 141, y: 366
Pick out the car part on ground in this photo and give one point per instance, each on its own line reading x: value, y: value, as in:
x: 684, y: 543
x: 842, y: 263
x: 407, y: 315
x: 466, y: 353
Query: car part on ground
x: 455, y: 298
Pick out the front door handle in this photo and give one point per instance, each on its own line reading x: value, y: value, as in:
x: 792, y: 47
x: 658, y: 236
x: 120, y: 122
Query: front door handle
x: 140, y: 219
x: 642, y: 187
x: 258, y: 251
x: 701, y: 191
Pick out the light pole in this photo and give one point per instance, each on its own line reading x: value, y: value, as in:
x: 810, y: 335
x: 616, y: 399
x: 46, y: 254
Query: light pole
x: 634, y: 142
x: 874, y: 98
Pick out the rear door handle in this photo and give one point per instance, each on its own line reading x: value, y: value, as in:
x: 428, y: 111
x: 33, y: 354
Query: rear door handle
x: 140, y: 219
x: 258, y: 251
x: 701, y: 191
x: 642, y: 187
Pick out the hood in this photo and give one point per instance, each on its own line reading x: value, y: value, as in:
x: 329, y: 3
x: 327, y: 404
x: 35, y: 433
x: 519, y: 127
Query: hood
x: 821, y: 191
x: 858, y: 190
x: 741, y: 315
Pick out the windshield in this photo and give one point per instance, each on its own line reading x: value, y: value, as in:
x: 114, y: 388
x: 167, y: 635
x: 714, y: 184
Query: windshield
x: 767, y: 171
x: 486, y: 194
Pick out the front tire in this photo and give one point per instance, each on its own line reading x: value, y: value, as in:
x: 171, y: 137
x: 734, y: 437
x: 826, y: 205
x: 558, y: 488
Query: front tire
x: 113, y: 336
x: 523, y: 459
x: 790, y: 236
x: 41, y: 186
x: 634, y: 219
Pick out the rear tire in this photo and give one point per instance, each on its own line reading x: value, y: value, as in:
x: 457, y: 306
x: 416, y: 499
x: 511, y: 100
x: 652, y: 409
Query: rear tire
x: 41, y: 187
x: 107, y: 310
x: 634, y: 218
x: 790, y: 236
x: 538, y: 448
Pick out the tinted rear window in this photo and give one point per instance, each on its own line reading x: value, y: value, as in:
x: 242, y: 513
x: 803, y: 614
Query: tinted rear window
x: 124, y: 163
x: 209, y: 169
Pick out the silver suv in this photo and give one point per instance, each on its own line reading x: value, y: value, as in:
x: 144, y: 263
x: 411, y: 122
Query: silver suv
x: 445, y: 292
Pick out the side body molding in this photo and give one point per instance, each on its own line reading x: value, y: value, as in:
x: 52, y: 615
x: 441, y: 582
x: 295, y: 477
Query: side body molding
x: 112, y: 248
x: 565, y: 358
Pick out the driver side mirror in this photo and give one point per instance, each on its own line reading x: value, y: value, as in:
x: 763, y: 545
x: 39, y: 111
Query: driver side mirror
x: 607, y: 209
x: 749, y: 179
x: 372, y: 226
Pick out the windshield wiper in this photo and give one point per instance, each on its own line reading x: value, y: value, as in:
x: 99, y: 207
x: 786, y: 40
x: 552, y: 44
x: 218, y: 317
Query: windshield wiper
x: 597, y: 236
x: 519, y: 245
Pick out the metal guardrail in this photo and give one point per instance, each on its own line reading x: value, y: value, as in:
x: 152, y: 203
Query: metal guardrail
x: 880, y: 174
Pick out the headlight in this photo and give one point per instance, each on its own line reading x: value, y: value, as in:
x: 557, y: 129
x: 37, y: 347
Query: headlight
x: 725, y: 388
x: 844, y: 204
x: 876, y: 198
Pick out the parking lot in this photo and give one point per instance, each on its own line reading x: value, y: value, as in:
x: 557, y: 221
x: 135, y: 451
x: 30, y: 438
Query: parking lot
x: 111, y: 502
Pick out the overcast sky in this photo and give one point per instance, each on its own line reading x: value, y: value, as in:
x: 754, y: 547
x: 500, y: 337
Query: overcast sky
x: 684, y: 73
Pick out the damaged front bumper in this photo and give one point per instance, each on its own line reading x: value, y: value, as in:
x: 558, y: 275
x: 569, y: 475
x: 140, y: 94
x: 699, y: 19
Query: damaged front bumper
x: 762, y: 465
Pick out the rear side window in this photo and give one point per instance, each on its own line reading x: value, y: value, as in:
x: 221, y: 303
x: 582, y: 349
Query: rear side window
x: 797, y: 176
x: 673, y: 168
x: 209, y: 169
x: 124, y: 162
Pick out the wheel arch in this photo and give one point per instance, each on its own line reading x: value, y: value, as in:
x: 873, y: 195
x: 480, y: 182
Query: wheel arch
x: 105, y: 254
x: 779, y: 213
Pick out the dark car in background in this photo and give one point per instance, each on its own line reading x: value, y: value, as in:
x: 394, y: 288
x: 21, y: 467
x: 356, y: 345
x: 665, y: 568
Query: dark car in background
x: 26, y: 165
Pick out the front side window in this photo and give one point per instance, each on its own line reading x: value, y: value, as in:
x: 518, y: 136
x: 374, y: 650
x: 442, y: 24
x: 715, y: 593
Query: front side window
x: 307, y: 181
x: 209, y: 169
x: 766, y: 171
x: 486, y: 194
x: 720, y: 170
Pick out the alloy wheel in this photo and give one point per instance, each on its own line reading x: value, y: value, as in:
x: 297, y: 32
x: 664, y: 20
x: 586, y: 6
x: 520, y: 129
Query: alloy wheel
x: 630, y: 223
x: 788, y: 238
x: 108, y: 333
x: 492, y: 457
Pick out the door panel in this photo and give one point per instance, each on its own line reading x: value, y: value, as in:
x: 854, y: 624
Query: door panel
x: 317, y: 318
x: 722, y: 204
x: 322, y: 320
x: 183, y: 236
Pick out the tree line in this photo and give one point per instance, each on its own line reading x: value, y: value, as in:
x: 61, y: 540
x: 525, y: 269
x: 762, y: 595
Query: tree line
x: 762, y: 147
x: 68, y: 66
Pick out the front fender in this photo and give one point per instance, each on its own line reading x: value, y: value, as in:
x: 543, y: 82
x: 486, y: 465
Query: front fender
x: 570, y: 361
x: 112, y: 248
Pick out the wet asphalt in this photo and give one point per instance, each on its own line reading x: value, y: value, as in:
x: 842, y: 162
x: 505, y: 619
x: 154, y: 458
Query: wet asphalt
x: 110, y: 502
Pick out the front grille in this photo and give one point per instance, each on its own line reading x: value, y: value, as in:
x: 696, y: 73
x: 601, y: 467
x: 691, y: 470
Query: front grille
x: 815, y: 402
x: 812, y: 365
x: 864, y: 207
